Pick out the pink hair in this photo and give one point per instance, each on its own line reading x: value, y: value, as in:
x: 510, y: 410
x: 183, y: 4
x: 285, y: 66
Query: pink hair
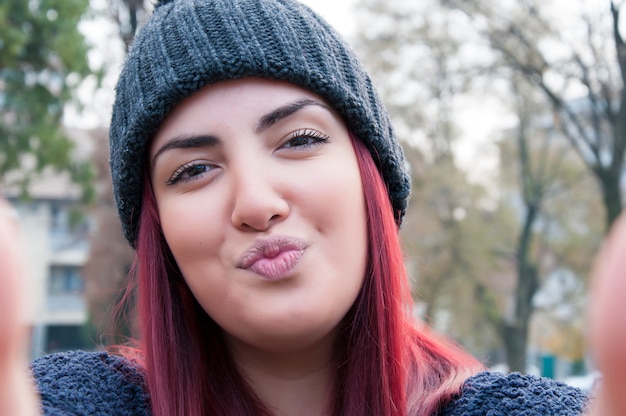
x: 418, y: 372
x: 387, y: 365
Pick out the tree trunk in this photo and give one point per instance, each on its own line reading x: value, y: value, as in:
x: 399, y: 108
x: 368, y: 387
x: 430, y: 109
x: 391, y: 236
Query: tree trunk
x: 515, y: 330
x: 611, y: 195
x: 515, y: 341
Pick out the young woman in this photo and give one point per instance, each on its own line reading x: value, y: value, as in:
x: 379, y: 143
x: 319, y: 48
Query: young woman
x: 259, y: 180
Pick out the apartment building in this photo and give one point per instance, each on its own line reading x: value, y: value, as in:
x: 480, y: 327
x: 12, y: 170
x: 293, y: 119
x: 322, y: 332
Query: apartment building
x: 55, y: 246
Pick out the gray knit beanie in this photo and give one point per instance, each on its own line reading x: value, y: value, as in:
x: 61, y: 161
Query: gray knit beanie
x: 187, y: 44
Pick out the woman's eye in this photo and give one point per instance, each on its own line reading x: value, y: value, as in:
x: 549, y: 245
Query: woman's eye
x: 306, y: 138
x: 188, y: 172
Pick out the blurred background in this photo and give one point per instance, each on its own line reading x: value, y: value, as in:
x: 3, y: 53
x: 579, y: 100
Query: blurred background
x: 512, y: 115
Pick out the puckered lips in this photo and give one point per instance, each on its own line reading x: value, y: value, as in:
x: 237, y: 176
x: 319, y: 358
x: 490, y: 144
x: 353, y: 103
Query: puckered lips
x: 273, y: 258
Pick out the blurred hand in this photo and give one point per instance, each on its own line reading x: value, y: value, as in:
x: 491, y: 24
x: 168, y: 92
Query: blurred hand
x: 17, y: 395
x: 608, y: 322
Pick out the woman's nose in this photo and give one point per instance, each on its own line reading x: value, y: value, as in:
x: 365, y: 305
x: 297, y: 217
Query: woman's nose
x: 258, y: 203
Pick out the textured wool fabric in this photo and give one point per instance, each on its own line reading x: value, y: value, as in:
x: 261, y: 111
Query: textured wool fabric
x: 96, y: 383
x: 80, y: 383
x: 188, y: 44
x: 496, y: 394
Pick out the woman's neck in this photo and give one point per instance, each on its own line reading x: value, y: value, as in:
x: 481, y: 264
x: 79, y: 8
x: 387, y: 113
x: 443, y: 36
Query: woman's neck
x: 288, y: 382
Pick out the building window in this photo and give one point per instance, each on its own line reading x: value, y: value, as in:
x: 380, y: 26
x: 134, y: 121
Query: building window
x: 65, y: 337
x: 65, y: 280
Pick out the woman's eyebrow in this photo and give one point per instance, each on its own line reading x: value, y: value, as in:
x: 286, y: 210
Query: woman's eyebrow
x: 186, y: 142
x: 285, y: 111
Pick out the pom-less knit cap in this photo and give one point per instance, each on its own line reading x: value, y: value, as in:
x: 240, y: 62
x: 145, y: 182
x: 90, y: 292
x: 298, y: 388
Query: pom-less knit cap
x: 187, y: 44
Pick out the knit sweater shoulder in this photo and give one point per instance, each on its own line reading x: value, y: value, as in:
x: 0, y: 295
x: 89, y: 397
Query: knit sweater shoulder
x: 497, y: 394
x: 80, y: 383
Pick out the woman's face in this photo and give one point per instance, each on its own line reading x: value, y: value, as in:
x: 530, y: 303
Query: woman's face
x: 261, y: 203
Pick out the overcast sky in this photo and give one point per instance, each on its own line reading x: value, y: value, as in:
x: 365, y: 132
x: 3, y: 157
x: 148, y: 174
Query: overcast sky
x: 339, y: 13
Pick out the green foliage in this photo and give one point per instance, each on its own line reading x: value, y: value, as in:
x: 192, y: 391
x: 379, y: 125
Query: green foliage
x: 43, y: 57
x: 452, y: 238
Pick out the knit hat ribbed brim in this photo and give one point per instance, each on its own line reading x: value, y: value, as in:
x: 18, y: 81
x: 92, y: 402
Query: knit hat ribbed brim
x: 187, y: 44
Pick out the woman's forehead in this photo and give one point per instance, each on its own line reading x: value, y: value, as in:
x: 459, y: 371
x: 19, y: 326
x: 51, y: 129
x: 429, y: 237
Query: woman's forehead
x: 266, y: 100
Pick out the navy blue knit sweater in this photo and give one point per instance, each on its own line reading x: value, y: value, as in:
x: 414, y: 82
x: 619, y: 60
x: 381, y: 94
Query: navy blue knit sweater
x: 81, y: 383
